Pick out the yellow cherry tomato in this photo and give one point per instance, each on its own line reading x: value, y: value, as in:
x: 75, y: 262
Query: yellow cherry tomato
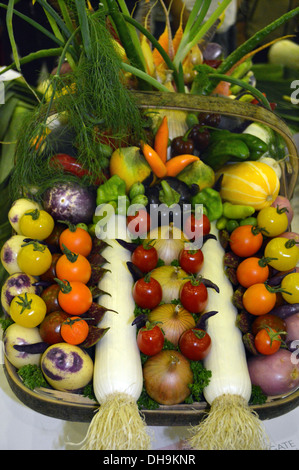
x: 290, y: 286
x: 34, y: 258
x: 273, y: 221
x: 36, y: 224
x: 28, y: 310
x: 284, y: 253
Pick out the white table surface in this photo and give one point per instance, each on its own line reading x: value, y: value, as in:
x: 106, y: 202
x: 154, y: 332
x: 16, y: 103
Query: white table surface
x: 24, y: 429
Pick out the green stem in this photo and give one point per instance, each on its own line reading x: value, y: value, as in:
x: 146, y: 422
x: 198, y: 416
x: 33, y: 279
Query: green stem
x: 254, y: 91
x: 126, y: 40
x: 145, y: 77
x: 9, y: 15
x: 83, y: 21
x: 250, y: 44
x: 133, y: 32
x: 58, y: 20
x: 159, y: 48
x: 34, y: 56
x: 35, y: 25
x: 193, y: 36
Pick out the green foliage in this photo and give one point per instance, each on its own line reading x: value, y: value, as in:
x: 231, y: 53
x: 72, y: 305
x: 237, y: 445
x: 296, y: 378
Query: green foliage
x: 257, y: 396
x: 201, y: 379
x: 93, y: 103
x: 32, y: 376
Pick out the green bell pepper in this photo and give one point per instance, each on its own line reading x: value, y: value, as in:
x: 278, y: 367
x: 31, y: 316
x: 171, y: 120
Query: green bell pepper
x: 111, y: 190
x: 211, y: 201
x: 220, y: 151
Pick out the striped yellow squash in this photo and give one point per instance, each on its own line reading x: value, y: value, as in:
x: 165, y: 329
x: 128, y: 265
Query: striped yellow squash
x: 251, y: 183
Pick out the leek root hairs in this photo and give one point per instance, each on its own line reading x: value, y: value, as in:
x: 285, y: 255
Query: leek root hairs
x: 117, y: 425
x: 230, y: 425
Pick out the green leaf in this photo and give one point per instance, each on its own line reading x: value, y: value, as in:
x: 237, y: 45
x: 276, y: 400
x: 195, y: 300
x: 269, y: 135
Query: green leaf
x: 83, y: 21
x: 9, y: 26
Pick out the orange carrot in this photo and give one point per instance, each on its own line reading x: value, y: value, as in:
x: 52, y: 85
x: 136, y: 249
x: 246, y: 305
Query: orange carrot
x: 176, y: 164
x: 161, y: 139
x: 153, y: 159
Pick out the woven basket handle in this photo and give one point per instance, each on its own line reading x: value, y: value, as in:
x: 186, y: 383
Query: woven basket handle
x: 235, y: 108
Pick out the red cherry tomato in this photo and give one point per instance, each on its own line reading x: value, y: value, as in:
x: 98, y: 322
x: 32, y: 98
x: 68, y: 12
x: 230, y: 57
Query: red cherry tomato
x: 147, y: 292
x: 74, y: 330
x: 191, y: 261
x: 150, y: 339
x: 195, y: 344
x: 272, y: 321
x: 197, y: 227
x: 139, y: 224
x: 267, y: 341
x: 194, y: 296
x: 246, y: 240
x: 145, y: 257
x: 74, y: 297
x: 50, y: 327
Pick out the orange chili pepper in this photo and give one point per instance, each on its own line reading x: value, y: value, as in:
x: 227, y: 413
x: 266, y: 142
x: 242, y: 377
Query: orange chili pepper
x: 176, y: 164
x: 161, y: 139
x: 153, y: 159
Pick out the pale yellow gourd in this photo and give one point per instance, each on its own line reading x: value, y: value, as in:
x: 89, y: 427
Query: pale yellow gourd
x: 118, y: 380
x: 230, y: 424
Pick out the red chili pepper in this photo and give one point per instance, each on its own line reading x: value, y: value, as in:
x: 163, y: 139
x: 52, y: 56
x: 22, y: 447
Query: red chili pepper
x: 70, y: 164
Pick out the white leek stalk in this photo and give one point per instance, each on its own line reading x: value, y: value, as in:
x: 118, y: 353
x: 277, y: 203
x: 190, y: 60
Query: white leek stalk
x: 117, y: 424
x: 230, y: 424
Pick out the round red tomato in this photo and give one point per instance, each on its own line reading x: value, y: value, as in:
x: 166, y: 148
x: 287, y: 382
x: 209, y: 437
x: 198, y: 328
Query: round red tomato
x: 246, y: 240
x: 74, y: 330
x: 194, y: 296
x: 147, y: 292
x: 191, y: 261
x: 195, y: 344
x: 50, y: 297
x: 50, y: 327
x: 196, y: 228
x: 272, y: 321
x: 145, y: 257
x: 150, y: 339
x: 139, y: 224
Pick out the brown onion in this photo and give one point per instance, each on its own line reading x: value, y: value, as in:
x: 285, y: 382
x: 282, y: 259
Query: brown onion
x: 167, y: 376
x: 173, y: 319
x: 168, y: 241
x: 171, y: 278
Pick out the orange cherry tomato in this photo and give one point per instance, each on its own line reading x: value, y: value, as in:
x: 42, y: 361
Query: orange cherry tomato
x: 74, y: 330
x: 246, y: 240
x: 267, y: 341
x: 73, y: 267
x: 74, y: 297
x: 259, y: 299
x: 76, y: 240
x: 252, y: 270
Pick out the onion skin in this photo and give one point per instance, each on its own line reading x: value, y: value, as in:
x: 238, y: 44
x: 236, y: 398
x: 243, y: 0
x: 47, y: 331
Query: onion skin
x: 174, y: 321
x: 277, y: 374
x: 171, y: 279
x: 167, y: 376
